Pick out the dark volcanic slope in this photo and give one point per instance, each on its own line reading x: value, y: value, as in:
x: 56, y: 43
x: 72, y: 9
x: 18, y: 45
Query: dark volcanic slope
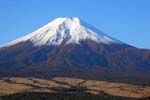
x: 85, y: 60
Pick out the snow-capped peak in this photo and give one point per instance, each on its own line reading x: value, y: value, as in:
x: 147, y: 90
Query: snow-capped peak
x: 71, y: 30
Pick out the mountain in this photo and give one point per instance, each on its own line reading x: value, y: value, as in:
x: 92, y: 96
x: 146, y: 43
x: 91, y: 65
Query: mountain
x: 70, y: 47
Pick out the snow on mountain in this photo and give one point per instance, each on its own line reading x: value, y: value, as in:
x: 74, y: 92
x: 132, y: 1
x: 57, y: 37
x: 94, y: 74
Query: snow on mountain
x: 72, y: 30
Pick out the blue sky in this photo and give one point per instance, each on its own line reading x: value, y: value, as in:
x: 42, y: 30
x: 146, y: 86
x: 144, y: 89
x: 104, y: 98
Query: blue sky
x: 126, y: 20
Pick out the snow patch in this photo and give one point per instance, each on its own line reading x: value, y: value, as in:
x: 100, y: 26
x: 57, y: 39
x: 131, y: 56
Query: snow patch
x: 73, y: 30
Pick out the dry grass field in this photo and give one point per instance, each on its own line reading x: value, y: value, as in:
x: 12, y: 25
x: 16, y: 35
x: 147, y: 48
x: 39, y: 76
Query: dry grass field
x: 12, y: 85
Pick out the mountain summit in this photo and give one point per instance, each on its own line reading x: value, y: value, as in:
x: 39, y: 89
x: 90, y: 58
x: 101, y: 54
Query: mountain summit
x: 68, y: 30
x: 72, y: 48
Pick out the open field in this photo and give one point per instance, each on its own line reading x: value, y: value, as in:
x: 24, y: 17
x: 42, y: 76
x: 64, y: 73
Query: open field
x: 12, y: 85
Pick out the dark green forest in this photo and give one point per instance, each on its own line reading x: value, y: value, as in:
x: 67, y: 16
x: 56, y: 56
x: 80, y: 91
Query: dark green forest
x: 63, y: 96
